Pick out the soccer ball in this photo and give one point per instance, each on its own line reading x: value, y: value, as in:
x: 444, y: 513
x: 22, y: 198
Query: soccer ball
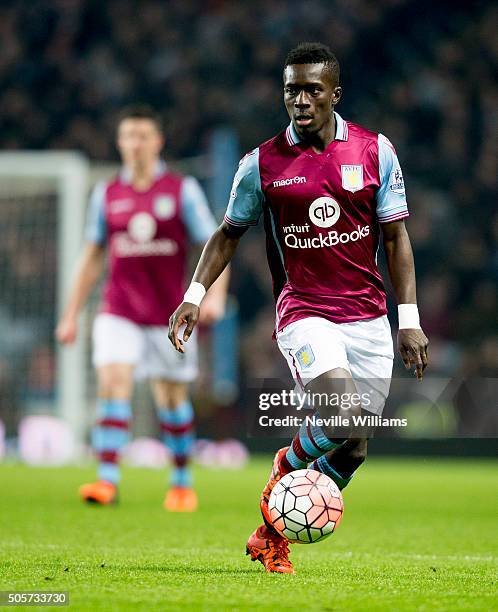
x: 305, y: 506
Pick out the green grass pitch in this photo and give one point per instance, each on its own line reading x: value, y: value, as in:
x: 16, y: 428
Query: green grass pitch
x: 416, y: 535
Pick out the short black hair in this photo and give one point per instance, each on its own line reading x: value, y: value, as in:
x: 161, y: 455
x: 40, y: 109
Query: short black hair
x: 314, y: 53
x: 141, y: 111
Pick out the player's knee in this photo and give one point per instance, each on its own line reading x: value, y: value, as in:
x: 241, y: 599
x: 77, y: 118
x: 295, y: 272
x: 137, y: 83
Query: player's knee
x: 178, y: 396
x: 114, y: 383
x: 358, y: 452
x: 335, y: 383
x: 170, y: 394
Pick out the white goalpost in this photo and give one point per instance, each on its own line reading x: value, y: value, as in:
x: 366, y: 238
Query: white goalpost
x: 60, y: 180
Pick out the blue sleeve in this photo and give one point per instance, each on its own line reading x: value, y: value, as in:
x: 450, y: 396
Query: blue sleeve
x: 246, y: 198
x: 195, y: 211
x: 391, y: 197
x: 96, y: 227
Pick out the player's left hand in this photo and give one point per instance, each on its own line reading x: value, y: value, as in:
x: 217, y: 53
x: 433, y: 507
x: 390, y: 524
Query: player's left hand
x: 186, y: 314
x: 412, y: 346
x: 212, y: 309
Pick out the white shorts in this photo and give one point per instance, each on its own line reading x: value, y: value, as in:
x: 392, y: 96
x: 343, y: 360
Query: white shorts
x: 119, y: 340
x: 313, y: 346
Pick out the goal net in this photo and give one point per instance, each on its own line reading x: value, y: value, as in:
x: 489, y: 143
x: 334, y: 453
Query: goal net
x: 42, y: 207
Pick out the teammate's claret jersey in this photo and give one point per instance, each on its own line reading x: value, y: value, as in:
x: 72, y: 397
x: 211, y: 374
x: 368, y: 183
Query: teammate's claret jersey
x: 322, y: 213
x: 147, y: 234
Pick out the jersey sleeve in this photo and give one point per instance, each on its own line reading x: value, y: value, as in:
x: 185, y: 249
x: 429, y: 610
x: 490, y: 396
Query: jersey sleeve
x: 391, y: 197
x: 246, y: 198
x: 96, y: 226
x: 195, y: 212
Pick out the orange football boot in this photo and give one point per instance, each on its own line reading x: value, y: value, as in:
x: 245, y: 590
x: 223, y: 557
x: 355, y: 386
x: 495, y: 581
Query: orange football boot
x: 100, y: 492
x: 181, y: 499
x: 271, y: 549
x: 277, y: 471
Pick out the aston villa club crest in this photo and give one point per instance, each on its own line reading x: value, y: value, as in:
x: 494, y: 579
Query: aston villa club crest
x: 352, y: 177
x: 164, y: 206
x: 305, y: 356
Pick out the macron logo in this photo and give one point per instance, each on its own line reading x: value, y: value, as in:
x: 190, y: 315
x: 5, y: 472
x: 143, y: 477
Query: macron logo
x: 295, y: 180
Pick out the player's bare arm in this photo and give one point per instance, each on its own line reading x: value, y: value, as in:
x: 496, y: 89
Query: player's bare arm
x: 412, y: 343
x: 90, y: 268
x: 214, y: 302
x: 215, y: 257
x: 213, y: 305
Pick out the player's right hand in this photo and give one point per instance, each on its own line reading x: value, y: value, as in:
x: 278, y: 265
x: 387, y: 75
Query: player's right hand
x: 186, y: 314
x: 67, y: 330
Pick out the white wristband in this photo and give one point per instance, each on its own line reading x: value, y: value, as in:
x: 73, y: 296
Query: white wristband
x: 195, y: 293
x: 408, y: 316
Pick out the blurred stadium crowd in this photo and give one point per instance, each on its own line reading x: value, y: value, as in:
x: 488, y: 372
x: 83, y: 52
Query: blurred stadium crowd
x: 420, y: 72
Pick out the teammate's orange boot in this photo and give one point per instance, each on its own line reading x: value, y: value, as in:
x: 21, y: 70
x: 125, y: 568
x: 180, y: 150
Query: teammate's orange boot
x: 181, y: 499
x: 271, y: 549
x: 100, y: 492
x: 277, y: 471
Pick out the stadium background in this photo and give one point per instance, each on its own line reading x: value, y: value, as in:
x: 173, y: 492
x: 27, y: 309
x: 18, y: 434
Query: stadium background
x: 420, y: 72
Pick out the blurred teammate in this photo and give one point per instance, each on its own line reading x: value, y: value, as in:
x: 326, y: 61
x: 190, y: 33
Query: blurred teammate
x: 326, y: 188
x: 145, y: 218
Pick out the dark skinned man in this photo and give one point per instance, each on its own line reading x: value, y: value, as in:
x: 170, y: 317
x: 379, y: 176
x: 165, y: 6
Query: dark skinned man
x: 328, y: 190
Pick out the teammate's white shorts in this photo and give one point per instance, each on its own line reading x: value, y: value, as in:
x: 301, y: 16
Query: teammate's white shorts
x: 119, y: 340
x: 313, y: 346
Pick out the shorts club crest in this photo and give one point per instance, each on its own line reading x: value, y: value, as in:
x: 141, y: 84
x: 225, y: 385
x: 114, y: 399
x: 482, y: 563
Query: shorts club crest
x: 305, y: 356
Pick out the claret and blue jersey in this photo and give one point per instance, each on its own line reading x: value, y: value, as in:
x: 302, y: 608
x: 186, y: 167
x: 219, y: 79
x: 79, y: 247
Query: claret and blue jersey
x: 322, y: 213
x: 147, y: 234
